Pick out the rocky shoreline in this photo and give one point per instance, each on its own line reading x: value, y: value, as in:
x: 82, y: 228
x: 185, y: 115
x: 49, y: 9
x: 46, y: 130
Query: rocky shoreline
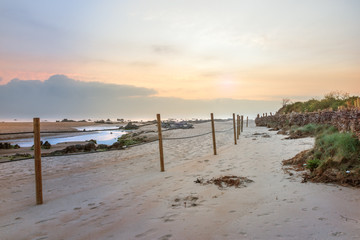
x: 347, y: 120
x: 333, y: 169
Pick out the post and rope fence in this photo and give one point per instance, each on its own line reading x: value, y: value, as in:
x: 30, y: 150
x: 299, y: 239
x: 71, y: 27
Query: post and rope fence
x: 242, y: 123
x: 37, y: 147
x: 238, y: 126
x: 162, y: 167
x: 234, y: 128
x: 37, y: 160
x: 247, y: 121
x: 213, y: 132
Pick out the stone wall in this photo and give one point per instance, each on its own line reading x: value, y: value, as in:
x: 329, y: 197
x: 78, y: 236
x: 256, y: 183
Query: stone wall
x: 347, y: 120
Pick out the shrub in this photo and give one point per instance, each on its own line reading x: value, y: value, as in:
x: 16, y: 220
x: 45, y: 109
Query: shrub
x: 126, y: 140
x: 341, y: 147
x: 312, y: 164
x: 331, y: 100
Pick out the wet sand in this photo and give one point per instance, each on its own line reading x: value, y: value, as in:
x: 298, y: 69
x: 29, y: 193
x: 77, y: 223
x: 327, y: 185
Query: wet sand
x: 123, y: 194
x: 14, y: 127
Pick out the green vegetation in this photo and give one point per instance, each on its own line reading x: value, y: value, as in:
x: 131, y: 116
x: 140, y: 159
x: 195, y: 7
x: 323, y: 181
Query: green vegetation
x: 310, y: 130
x: 312, y: 164
x: 331, y: 100
x: 332, y: 149
x: 127, y: 140
x: 317, y: 129
x: 340, y: 150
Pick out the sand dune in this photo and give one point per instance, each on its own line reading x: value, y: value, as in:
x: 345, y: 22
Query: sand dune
x: 123, y: 194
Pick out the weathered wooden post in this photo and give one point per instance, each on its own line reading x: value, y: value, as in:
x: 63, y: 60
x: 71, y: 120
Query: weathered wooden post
x: 242, y: 123
x: 234, y: 128
x: 247, y: 121
x: 213, y: 132
x: 37, y: 158
x: 238, y: 126
x: 160, y: 143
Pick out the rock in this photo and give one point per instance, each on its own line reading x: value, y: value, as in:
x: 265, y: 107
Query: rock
x: 70, y: 149
x: 102, y: 146
x: 89, y: 147
x: 116, y: 145
x: 131, y: 126
x: 46, y: 145
x: 93, y: 141
x: 176, y: 125
x: 7, y: 145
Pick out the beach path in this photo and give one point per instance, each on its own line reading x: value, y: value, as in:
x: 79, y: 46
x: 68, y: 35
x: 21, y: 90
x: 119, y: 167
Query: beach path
x: 123, y: 194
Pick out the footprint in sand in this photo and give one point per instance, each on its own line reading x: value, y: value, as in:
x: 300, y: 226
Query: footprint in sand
x: 243, y: 234
x: 165, y: 237
x: 169, y: 217
x: 145, y: 233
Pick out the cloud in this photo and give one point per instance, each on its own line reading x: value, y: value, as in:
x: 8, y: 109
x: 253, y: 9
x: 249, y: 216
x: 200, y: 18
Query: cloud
x: 164, y: 49
x: 62, y: 97
x: 1, y: 79
x: 60, y: 94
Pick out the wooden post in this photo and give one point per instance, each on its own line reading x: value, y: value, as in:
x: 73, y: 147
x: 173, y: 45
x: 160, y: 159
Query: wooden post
x: 247, y: 121
x: 37, y: 158
x: 242, y: 123
x: 160, y: 143
x: 213, y: 132
x: 234, y: 128
x: 238, y: 126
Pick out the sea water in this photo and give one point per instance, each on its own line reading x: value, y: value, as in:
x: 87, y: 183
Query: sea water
x: 103, y: 136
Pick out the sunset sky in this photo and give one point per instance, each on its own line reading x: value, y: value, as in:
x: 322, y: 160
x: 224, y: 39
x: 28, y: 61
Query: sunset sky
x: 194, y: 50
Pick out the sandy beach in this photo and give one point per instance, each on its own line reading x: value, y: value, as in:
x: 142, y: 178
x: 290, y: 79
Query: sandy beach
x: 123, y: 194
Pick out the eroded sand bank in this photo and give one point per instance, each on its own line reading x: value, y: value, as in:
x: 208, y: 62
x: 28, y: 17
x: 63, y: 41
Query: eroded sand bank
x: 123, y: 195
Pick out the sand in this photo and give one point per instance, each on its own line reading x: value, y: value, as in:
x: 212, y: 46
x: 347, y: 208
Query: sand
x: 123, y: 194
x: 12, y: 127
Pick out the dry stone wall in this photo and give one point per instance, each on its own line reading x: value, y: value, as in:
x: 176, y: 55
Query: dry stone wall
x: 347, y: 120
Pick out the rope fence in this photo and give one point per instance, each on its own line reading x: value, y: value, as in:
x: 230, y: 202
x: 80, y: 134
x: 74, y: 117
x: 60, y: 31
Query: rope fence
x: 37, y: 146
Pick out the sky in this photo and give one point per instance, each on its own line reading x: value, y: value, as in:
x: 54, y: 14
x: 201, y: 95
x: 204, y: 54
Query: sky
x: 193, y: 52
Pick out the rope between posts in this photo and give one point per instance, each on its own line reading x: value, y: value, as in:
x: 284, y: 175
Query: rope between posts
x: 197, y: 135
x: 78, y: 131
x: 82, y: 153
x: 99, y: 130
x: 130, y: 146
x: 221, y: 131
x: 187, y: 137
